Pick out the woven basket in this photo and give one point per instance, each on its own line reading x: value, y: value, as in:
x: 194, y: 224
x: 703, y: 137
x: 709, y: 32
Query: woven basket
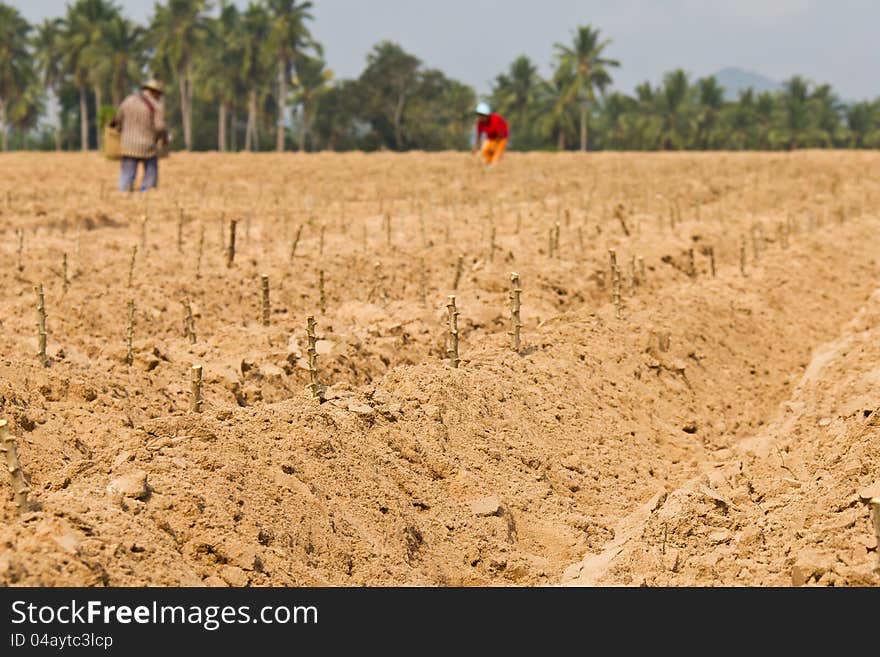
x: 112, y: 149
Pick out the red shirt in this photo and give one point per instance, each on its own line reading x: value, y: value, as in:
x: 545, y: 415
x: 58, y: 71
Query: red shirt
x: 494, y: 127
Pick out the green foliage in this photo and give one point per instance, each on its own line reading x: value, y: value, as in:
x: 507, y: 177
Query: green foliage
x: 21, y: 96
x: 291, y: 41
x: 515, y: 94
x: 584, y: 70
x: 106, y: 115
x: 556, y: 117
x: 337, y: 124
x: 404, y: 105
x: 310, y: 84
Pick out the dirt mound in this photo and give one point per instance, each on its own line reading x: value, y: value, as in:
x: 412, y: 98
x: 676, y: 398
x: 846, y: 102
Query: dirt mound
x: 782, y: 507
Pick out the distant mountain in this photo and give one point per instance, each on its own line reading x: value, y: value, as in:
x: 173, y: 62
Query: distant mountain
x: 735, y: 80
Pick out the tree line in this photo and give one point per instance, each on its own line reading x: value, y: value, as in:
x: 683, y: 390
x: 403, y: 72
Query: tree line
x: 255, y: 79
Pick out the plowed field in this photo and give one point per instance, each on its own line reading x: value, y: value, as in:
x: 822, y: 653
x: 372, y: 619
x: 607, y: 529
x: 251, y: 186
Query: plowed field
x: 704, y: 416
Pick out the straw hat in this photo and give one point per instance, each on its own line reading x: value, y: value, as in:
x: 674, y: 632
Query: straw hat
x: 155, y: 85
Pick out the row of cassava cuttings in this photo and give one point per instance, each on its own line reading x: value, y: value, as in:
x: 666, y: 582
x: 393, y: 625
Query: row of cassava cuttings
x: 315, y: 387
x: 617, y: 279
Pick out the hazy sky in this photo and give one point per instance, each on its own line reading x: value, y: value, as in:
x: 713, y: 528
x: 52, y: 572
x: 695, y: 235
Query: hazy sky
x: 474, y: 40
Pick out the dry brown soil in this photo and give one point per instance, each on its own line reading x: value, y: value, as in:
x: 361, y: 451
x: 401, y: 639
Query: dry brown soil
x: 593, y: 455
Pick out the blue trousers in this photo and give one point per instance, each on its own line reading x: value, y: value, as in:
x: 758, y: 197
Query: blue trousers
x: 128, y: 173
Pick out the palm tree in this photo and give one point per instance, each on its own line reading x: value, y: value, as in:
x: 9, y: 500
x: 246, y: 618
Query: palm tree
x: 556, y: 117
x: 711, y: 100
x: 98, y: 14
x: 309, y: 84
x: 220, y: 68
x: 618, y: 115
x: 645, y: 94
x: 515, y: 94
x: 48, y: 57
x: 742, y: 118
x: 863, y: 125
x: 765, y: 118
x: 827, y: 113
x: 588, y: 71
x: 124, y: 57
x: 797, y: 125
x: 646, y: 124
x: 28, y: 104
x: 117, y: 57
x: 15, y: 71
x: 289, y: 37
x: 672, y: 106
x: 177, y: 31
x: 85, y: 52
x: 256, y: 27
x: 78, y: 41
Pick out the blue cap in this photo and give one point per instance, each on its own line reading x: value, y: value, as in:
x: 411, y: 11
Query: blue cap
x: 483, y: 108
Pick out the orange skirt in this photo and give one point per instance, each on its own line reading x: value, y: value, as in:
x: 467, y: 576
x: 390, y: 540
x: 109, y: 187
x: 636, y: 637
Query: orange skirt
x: 493, y: 149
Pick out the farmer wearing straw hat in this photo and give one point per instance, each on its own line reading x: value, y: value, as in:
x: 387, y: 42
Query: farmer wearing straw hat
x: 495, y: 129
x: 141, y: 120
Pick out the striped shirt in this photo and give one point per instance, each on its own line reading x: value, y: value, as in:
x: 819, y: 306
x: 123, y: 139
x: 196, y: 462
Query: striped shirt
x: 140, y: 126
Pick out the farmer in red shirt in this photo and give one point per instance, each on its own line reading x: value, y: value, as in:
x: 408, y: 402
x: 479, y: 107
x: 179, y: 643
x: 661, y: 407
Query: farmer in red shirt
x: 495, y: 129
